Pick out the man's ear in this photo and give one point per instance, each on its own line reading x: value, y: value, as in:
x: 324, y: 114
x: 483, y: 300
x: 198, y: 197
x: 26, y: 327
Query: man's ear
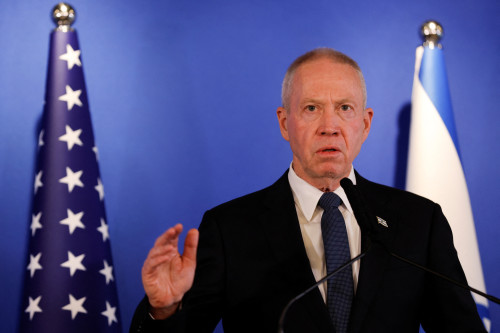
x: 282, y: 119
x: 367, y: 119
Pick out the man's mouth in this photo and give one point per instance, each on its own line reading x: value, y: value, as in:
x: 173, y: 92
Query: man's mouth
x: 327, y: 150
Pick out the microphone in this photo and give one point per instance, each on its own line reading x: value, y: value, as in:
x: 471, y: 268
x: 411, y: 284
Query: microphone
x: 363, y: 217
x: 360, y: 212
x: 308, y: 290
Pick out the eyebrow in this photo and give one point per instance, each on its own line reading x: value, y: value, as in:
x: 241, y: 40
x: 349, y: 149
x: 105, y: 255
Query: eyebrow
x: 319, y: 101
x: 311, y: 100
x: 347, y: 101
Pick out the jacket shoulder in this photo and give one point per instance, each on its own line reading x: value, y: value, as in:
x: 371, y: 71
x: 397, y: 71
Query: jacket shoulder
x: 391, y: 194
x: 276, y: 194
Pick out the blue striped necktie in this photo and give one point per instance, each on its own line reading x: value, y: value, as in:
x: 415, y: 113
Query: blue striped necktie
x: 340, y: 289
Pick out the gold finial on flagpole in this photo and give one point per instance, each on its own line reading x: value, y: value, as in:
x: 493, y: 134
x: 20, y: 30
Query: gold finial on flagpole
x: 431, y: 32
x: 63, y: 15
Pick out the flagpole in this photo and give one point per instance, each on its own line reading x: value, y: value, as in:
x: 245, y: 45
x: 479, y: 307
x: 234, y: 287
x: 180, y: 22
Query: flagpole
x: 63, y: 16
x: 432, y: 32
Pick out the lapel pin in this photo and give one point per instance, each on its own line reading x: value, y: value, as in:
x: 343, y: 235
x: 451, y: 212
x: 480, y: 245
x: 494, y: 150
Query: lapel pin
x: 382, y: 222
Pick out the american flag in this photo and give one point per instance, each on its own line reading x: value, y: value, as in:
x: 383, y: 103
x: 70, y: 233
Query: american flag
x: 70, y: 284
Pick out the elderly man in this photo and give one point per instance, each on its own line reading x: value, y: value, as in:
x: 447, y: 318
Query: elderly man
x: 253, y: 254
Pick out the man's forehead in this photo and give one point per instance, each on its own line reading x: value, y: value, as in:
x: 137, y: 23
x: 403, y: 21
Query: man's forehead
x: 317, y: 74
x: 315, y: 78
x: 337, y: 69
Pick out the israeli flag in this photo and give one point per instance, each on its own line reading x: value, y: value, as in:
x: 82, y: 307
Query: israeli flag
x: 434, y: 167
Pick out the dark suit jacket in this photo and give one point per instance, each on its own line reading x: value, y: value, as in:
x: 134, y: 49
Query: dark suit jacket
x: 252, y: 261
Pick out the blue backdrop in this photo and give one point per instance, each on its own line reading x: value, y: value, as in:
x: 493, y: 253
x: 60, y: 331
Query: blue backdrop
x: 183, y: 97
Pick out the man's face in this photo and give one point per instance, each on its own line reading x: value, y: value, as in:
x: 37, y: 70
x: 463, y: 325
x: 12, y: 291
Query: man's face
x: 326, y: 123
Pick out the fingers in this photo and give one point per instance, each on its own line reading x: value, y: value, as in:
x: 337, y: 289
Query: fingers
x: 165, y: 248
x: 171, y: 236
x: 159, y: 255
x: 191, y: 245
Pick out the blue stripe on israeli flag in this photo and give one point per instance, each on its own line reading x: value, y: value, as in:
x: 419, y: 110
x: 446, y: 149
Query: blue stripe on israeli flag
x: 434, y: 80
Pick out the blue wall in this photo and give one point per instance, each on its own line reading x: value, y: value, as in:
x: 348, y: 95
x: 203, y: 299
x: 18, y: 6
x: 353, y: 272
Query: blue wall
x: 183, y: 97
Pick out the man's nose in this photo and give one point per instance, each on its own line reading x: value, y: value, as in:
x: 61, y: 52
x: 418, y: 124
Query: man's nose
x: 329, y: 122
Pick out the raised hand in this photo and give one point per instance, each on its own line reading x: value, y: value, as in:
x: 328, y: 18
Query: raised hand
x: 166, y: 275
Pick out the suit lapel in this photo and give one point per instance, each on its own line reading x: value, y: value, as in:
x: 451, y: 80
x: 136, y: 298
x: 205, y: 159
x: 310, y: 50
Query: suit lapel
x: 280, y: 223
x: 374, y: 264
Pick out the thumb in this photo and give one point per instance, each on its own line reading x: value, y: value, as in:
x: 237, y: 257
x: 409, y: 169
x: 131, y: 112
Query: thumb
x: 191, y: 245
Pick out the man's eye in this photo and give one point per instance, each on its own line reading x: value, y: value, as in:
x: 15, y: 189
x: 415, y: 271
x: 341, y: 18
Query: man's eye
x: 345, y: 108
x: 311, y: 108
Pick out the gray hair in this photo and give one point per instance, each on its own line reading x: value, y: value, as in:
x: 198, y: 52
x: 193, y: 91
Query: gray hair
x: 322, y: 52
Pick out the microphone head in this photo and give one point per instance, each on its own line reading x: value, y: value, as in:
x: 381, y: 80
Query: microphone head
x: 346, y: 182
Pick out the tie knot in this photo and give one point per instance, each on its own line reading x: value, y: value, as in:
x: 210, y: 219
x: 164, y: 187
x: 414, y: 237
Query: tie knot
x: 329, y: 200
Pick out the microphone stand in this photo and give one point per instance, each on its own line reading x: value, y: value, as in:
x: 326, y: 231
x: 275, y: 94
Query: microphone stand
x: 461, y: 285
x: 305, y: 292
x: 363, y: 217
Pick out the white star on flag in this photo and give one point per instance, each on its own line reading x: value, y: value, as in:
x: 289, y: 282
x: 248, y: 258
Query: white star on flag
x: 35, y: 223
x: 71, y: 137
x: 38, y: 181
x: 110, y: 313
x: 71, y: 56
x: 103, y: 229
x: 34, y: 263
x: 75, y: 306
x: 100, y: 189
x: 74, y: 263
x: 33, y: 306
x: 73, y: 221
x: 40, y: 138
x: 71, y: 97
x: 107, y: 271
x: 96, y: 151
x: 72, y: 179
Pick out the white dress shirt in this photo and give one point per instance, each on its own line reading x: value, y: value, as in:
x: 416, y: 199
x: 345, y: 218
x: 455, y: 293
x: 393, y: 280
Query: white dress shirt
x: 306, y: 199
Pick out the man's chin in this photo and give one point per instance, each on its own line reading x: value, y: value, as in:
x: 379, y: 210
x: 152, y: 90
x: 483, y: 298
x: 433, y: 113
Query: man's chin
x: 334, y: 171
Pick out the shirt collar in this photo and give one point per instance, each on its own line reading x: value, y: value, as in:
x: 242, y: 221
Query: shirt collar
x: 308, y: 195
